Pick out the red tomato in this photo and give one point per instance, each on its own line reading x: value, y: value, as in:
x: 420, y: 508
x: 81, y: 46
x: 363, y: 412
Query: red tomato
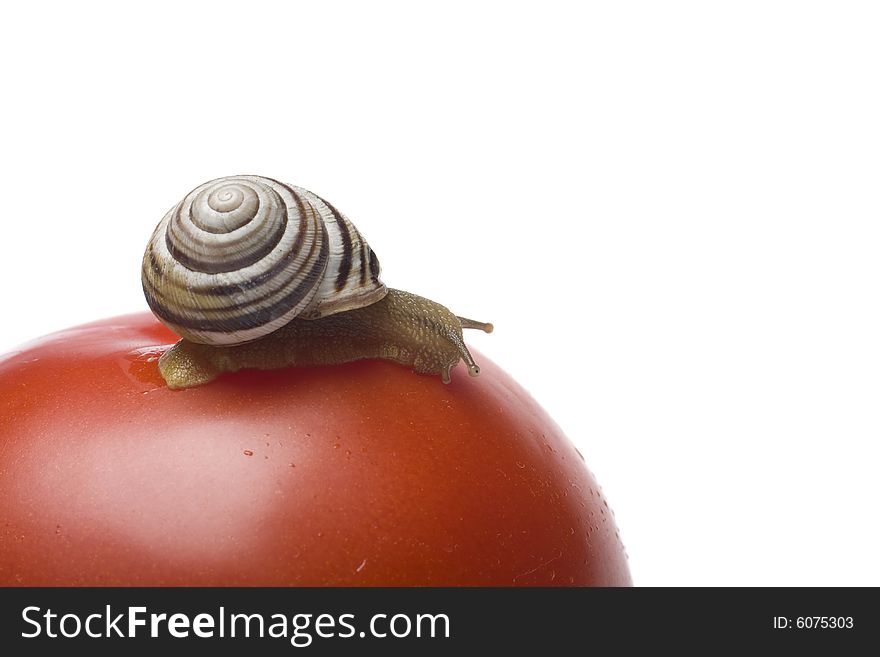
x: 361, y: 474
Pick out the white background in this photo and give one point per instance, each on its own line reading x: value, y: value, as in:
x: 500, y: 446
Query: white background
x: 669, y: 211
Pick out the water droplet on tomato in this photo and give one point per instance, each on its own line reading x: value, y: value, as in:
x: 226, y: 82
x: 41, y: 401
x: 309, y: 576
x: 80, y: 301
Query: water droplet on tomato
x: 141, y: 365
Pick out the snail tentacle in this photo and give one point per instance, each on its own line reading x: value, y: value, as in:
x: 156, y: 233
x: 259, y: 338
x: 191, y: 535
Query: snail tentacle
x: 466, y: 323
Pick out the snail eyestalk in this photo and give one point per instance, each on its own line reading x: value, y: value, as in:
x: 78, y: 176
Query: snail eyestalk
x: 473, y: 368
x: 466, y: 323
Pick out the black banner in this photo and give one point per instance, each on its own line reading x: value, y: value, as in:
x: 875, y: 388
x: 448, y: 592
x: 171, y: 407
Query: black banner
x: 431, y: 621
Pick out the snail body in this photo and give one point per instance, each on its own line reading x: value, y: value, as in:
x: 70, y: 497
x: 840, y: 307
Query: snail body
x: 253, y: 273
x: 401, y: 327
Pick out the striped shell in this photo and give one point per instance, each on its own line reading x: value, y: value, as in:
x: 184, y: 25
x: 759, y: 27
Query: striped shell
x: 241, y: 256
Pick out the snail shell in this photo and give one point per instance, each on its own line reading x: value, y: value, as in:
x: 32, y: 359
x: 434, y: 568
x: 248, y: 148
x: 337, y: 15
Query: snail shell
x: 241, y: 256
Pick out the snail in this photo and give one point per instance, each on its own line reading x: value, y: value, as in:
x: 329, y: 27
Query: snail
x: 255, y: 273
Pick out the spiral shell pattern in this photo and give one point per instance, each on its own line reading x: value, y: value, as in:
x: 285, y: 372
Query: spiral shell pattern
x: 241, y: 256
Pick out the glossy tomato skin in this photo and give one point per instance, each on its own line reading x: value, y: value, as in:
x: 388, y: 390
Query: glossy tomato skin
x: 361, y: 474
